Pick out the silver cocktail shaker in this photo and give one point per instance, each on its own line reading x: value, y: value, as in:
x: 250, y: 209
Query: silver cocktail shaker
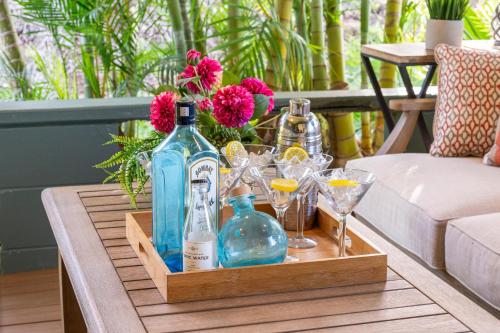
x: 300, y: 127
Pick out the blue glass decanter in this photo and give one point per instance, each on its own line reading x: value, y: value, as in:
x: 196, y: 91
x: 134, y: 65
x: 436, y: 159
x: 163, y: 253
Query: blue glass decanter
x: 250, y: 237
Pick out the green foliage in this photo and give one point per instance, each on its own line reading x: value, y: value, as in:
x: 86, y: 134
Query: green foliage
x: 447, y: 9
x: 124, y: 166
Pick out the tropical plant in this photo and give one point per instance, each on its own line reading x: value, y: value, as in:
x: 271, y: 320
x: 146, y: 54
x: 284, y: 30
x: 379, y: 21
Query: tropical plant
x: 447, y: 9
x: 366, y: 133
x: 223, y: 115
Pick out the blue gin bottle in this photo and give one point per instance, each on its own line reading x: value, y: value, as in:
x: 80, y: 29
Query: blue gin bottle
x: 185, y: 155
x: 250, y: 237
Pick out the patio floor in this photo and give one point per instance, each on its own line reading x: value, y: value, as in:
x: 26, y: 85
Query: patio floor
x: 29, y: 302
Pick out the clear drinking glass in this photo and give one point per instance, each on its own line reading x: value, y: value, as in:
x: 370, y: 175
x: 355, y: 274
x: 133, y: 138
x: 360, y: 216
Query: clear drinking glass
x: 344, y: 189
x: 229, y: 178
x: 257, y: 155
x: 280, y: 183
x: 299, y: 241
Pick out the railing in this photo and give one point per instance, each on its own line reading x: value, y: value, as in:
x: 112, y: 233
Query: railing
x: 56, y: 143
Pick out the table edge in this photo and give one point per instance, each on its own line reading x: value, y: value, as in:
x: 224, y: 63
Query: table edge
x: 63, y: 204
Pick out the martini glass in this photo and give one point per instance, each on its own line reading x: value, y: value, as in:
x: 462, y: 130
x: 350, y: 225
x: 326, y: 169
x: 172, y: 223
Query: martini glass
x: 318, y: 163
x: 280, y: 183
x: 229, y: 178
x: 257, y: 155
x: 344, y: 189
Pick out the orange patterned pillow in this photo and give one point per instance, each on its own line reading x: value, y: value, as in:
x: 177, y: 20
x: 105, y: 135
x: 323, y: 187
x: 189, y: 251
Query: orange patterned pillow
x: 468, y: 102
x: 493, y: 156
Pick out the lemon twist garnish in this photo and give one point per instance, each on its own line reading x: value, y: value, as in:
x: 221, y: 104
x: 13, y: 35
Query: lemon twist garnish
x: 295, y: 152
x: 225, y: 171
x: 284, y: 184
x: 235, y: 149
x: 343, y: 182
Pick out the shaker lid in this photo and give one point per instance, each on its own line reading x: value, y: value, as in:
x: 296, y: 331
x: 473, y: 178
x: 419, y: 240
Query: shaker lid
x: 300, y: 106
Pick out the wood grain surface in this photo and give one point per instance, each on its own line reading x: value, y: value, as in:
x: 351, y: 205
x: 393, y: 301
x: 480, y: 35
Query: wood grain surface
x: 411, y: 300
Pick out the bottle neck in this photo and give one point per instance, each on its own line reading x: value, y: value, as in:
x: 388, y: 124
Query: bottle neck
x: 242, y: 203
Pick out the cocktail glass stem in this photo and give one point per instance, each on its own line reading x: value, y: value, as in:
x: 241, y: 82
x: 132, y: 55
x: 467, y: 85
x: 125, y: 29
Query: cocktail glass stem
x: 300, y: 216
x: 280, y: 214
x: 341, y: 234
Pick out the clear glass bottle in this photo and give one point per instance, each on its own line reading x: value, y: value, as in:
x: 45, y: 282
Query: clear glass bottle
x: 251, y: 237
x: 200, y: 235
x: 183, y: 156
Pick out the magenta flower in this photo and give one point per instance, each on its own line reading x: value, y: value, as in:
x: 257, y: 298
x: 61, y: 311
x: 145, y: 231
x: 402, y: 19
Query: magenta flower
x: 190, y: 71
x: 192, y: 55
x: 233, y: 106
x: 162, y: 111
x: 208, y: 70
x: 204, y: 104
x: 256, y: 86
x: 210, y: 73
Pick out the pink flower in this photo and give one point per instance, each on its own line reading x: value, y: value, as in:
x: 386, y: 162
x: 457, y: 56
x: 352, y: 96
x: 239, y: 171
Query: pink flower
x: 192, y: 55
x: 190, y: 71
x: 204, y: 104
x: 233, y: 106
x: 256, y: 86
x: 210, y: 73
x: 162, y: 111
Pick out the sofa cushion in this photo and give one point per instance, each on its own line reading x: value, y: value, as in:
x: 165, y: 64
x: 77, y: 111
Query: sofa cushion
x: 415, y: 195
x: 472, y: 248
x: 493, y: 156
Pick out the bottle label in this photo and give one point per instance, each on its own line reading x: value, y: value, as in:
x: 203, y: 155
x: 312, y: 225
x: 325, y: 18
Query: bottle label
x: 198, y: 255
x: 184, y: 111
x: 207, y: 167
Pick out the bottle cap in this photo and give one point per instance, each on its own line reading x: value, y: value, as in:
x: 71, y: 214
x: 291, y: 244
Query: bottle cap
x: 240, y: 190
x: 185, y: 111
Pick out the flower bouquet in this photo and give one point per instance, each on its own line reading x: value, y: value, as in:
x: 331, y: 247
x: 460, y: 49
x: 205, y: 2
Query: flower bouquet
x: 227, y: 110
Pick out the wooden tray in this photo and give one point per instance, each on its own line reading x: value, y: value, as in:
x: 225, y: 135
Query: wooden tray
x: 319, y: 267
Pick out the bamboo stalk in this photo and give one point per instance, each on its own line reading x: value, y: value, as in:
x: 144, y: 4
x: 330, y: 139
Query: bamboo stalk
x: 301, y: 19
x: 12, y: 49
x: 199, y: 35
x: 234, y: 25
x: 188, y: 32
x: 174, y: 9
x: 342, y: 123
x: 387, y: 71
x: 320, y: 72
x: 366, y: 132
x: 274, y: 70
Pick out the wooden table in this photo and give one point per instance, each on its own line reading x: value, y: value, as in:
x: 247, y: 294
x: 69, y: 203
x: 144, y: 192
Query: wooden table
x: 101, y: 273
x: 405, y: 55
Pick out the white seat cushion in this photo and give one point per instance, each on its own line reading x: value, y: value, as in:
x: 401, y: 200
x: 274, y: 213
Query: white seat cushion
x: 415, y: 195
x: 472, y: 248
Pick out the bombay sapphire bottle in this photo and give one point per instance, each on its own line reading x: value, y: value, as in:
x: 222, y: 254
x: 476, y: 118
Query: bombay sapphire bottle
x: 250, y: 237
x: 185, y: 155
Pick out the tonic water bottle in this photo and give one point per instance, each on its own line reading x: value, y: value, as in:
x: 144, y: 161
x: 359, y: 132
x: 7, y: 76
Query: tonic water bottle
x: 200, y: 235
x: 183, y: 156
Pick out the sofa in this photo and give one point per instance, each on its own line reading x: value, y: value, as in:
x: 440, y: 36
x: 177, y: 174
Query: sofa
x: 446, y: 211
x: 444, y: 206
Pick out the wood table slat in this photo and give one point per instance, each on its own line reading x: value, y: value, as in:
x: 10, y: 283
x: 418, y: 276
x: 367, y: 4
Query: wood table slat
x: 293, y: 310
x: 443, y: 323
x: 139, y: 284
x: 343, y: 319
x: 145, y: 297
x: 128, y: 262
x: 121, y: 252
x: 113, y: 200
x: 110, y: 208
x: 111, y: 233
x: 115, y: 242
